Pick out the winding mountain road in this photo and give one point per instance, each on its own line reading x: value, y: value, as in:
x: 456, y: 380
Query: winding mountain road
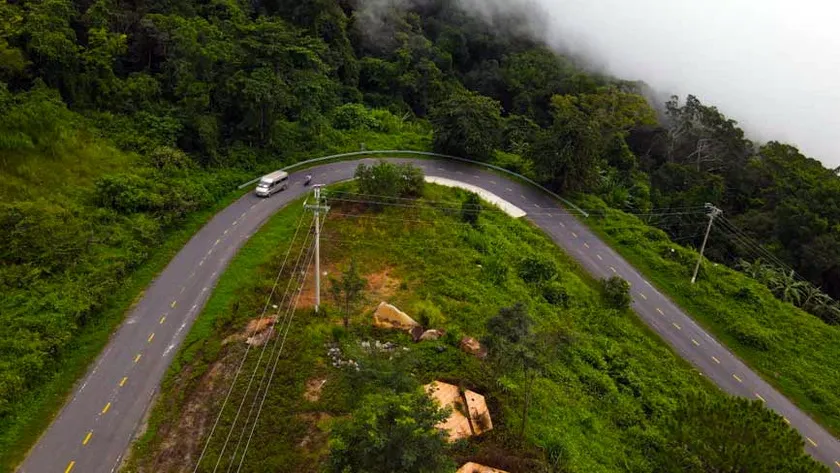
x: 94, y: 429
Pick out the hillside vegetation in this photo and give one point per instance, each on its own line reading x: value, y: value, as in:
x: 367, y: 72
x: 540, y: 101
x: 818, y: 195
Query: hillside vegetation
x: 792, y: 349
x: 120, y: 122
x: 600, y: 394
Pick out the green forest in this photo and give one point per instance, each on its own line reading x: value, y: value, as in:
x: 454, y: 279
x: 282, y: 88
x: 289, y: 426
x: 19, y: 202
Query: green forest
x: 120, y: 120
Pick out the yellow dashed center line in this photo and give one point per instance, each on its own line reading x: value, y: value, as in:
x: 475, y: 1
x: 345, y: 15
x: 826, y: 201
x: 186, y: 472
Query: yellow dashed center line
x: 837, y: 463
x: 716, y: 360
x: 173, y: 304
x: 586, y: 245
x: 613, y: 269
x: 162, y: 319
x: 87, y: 438
x: 643, y: 296
x: 676, y: 326
x: 151, y: 337
x: 574, y: 234
x: 759, y: 397
x: 137, y: 358
x: 122, y: 381
x: 217, y: 242
x: 811, y: 441
x: 69, y: 467
x: 105, y: 409
x: 695, y: 342
x: 660, y: 311
x: 599, y: 258
x: 737, y: 378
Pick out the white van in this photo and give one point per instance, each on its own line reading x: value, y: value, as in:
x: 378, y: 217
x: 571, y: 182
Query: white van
x: 271, y: 183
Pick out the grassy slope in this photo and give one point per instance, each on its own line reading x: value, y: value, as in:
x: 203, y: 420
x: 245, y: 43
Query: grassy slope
x: 607, y: 382
x: 791, y: 349
x: 34, y: 413
x: 67, y: 176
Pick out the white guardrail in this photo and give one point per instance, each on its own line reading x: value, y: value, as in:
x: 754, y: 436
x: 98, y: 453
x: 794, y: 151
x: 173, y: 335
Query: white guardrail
x: 428, y: 154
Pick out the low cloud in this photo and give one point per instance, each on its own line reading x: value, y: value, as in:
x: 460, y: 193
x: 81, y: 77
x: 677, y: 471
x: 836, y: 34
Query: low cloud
x: 772, y: 65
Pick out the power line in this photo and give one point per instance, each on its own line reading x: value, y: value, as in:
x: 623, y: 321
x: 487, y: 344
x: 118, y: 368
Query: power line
x: 288, y: 309
x: 245, y: 355
x: 557, y: 211
x: 766, y: 253
x: 259, y: 359
x: 697, y: 208
x: 273, y: 369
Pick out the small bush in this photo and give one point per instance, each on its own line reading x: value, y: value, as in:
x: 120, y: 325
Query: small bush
x: 354, y: 116
x: 470, y: 209
x: 555, y: 293
x: 751, y: 334
x: 338, y: 334
x: 388, y: 180
x: 537, y: 269
x: 617, y: 292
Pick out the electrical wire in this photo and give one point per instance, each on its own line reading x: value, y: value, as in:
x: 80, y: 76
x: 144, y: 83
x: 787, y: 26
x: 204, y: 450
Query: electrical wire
x: 245, y: 355
x: 262, y: 353
x: 271, y: 331
x: 556, y: 211
x: 767, y: 254
x: 274, y: 367
x: 328, y: 193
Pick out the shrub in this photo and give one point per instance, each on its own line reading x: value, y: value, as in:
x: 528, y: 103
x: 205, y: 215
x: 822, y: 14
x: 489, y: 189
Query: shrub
x: 617, y: 292
x: 751, y: 334
x: 555, y: 293
x: 470, y: 209
x: 390, y: 180
x: 391, y: 432
x: 128, y: 193
x: 537, y: 269
x: 354, y: 116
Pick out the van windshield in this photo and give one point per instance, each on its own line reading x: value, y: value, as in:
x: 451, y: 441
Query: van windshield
x: 264, y: 183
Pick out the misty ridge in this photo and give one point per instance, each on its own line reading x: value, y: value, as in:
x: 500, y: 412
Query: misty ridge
x: 675, y: 60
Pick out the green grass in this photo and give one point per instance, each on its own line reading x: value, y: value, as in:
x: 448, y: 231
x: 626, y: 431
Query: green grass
x: 33, y: 414
x: 795, y: 351
x: 607, y: 385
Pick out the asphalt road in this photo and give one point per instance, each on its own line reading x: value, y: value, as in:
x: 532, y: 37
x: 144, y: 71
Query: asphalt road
x: 94, y: 429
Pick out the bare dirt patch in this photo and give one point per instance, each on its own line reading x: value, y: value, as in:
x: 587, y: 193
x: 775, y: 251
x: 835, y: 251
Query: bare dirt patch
x: 315, y: 438
x: 313, y: 389
x: 182, y: 436
x: 381, y: 285
x: 255, y: 333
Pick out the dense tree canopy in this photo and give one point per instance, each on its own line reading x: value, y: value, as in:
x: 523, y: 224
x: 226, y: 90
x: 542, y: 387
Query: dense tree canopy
x: 391, y: 432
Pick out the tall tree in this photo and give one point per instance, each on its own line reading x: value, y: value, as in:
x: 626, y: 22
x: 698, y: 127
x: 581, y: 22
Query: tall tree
x: 391, y: 432
x: 347, y: 291
x: 566, y: 155
x: 467, y: 125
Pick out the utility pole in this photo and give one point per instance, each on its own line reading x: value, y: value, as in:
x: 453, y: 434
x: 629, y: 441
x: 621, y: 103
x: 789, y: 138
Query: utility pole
x: 317, y: 208
x: 713, y: 212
